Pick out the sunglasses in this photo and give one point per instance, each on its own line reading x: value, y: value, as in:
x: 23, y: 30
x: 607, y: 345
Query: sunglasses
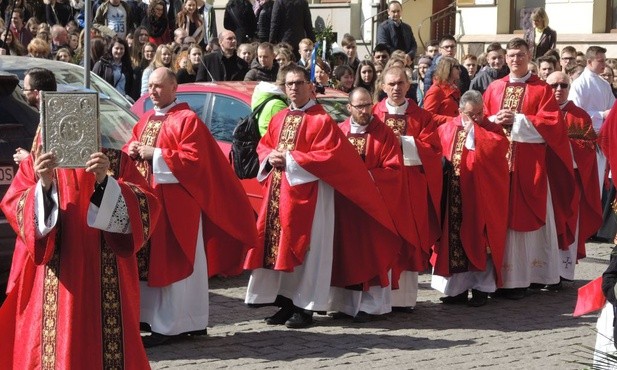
x: 562, y: 85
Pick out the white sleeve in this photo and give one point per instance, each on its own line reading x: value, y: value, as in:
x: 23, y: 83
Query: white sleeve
x: 524, y: 131
x: 112, y: 215
x: 410, y: 151
x: 44, y: 226
x: 470, y: 141
x: 160, y: 169
x: 295, y: 174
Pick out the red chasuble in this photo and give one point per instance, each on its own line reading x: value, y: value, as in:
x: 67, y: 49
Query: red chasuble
x: 423, y: 182
x: 75, y: 304
x: 532, y: 164
x: 583, y: 140
x: 285, y: 220
x: 608, y: 138
x: 441, y: 100
x: 476, y: 212
x: 207, y: 186
x: 380, y: 150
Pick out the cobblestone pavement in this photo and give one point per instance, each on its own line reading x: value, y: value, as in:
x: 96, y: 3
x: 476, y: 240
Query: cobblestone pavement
x: 537, y: 332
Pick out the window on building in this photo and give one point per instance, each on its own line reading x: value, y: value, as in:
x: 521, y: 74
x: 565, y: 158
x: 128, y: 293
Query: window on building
x: 521, y: 10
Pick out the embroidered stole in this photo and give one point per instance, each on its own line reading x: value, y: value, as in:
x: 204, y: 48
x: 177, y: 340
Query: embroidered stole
x: 148, y: 137
x: 397, y: 122
x: 359, y: 142
x: 458, y: 261
x: 513, y: 101
x: 287, y: 142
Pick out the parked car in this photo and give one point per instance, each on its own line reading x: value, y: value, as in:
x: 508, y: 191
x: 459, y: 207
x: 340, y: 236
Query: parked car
x: 221, y: 105
x: 18, y: 124
x: 66, y: 74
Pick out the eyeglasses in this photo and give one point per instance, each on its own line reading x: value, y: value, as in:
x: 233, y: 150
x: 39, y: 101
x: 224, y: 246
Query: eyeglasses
x: 568, y: 58
x: 291, y: 84
x: 562, y: 85
x: 516, y: 56
x: 362, y: 106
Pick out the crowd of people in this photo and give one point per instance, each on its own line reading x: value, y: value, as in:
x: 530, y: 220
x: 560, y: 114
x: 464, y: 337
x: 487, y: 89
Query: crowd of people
x: 489, y: 170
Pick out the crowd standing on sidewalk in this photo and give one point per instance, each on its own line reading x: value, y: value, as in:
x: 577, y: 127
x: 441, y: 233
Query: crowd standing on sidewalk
x: 490, y: 177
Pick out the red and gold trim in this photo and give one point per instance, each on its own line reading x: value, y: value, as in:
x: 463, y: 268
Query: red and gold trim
x: 359, y: 142
x: 19, y: 213
x: 143, y: 255
x: 397, y: 122
x: 457, y: 256
x: 287, y: 141
x: 49, y: 333
x: 148, y: 137
x: 111, y: 310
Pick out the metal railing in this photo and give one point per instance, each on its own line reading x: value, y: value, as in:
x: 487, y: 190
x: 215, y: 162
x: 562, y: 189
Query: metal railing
x: 442, y: 23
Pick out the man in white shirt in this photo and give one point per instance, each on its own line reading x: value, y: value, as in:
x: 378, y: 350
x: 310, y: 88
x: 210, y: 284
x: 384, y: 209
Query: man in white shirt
x: 592, y: 93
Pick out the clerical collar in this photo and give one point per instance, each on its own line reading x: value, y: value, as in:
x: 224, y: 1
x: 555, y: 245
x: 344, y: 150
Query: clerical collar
x: 401, y: 109
x: 521, y: 79
x: 163, y: 111
x: 563, y: 105
x: 355, y: 128
x: 304, y: 107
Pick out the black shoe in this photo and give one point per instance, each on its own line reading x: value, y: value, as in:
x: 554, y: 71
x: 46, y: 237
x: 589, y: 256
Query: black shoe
x: 300, y: 320
x: 554, y: 287
x: 403, y: 309
x: 155, y: 339
x: 340, y: 315
x: 457, y: 299
x: 144, y: 326
x: 515, y: 293
x: 197, y: 333
x: 536, y: 286
x: 478, y: 298
x: 362, y: 317
x: 281, y: 316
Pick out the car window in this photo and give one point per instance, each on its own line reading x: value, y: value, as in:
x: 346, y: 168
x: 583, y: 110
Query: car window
x: 116, y: 125
x: 195, y: 101
x: 226, y: 113
x: 335, y: 107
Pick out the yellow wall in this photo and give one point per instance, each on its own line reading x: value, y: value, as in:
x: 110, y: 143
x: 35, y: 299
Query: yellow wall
x: 414, y: 11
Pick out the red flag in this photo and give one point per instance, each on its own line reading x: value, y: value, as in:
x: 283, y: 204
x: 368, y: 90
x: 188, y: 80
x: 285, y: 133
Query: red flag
x: 590, y: 298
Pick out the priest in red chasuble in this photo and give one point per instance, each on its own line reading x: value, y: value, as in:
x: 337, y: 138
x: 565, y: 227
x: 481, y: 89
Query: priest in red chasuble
x: 75, y: 300
x: 307, y: 163
x: 475, y: 210
x: 207, y: 224
x: 380, y: 150
x: 587, y: 217
x: 541, y: 174
x: 417, y: 132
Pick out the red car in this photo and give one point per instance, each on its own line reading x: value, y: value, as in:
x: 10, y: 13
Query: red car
x: 221, y: 105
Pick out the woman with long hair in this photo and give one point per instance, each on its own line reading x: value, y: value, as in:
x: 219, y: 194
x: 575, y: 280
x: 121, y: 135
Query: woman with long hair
x: 115, y: 67
x: 188, y: 73
x: 366, y: 76
x: 156, y: 23
x: 12, y: 45
x: 140, y: 37
x: 63, y: 55
x: 191, y: 21
x: 443, y: 96
x: 322, y: 73
x: 540, y: 37
x: 344, y: 77
x: 147, y: 56
x: 163, y: 57
x: 39, y: 48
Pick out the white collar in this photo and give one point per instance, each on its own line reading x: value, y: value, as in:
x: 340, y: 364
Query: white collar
x: 163, y: 111
x: 521, y: 79
x: 401, y: 109
x: 355, y: 128
x: 303, y: 108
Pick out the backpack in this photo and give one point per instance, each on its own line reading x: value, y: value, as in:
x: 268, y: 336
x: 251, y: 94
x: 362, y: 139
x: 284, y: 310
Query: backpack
x: 243, y: 155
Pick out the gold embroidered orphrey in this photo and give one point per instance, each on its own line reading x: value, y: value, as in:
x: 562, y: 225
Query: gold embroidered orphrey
x: 397, y: 122
x: 143, y: 255
x: 513, y: 101
x: 111, y: 310
x: 359, y: 142
x: 458, y: 261
x: 49, y: 334
x: 148, y: 137
x: 287, y: 142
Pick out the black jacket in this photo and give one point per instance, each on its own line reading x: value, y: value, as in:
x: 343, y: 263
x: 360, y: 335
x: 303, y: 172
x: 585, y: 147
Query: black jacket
x: 386, y: 34
x: 104, y: 69
x: 212, y: 68
x: 548, y: 41
x: 291, y: 22
x: 486, y: 76
x: 264, y: 19
x: 259, y: 73
x: 240, y: 19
